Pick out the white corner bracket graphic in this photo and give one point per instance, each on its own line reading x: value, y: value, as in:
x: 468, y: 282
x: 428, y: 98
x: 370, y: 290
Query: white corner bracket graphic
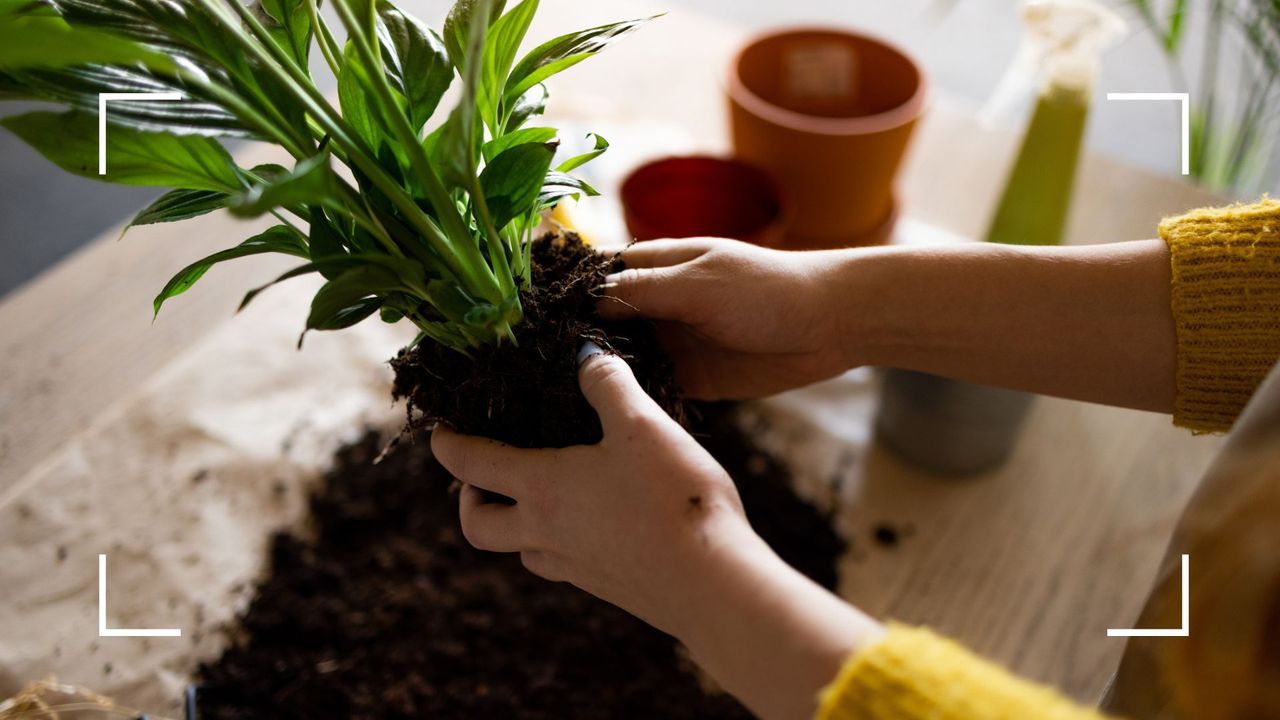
x: 1185, y: 630
x: 1185, y: 100
x: 103, y: 630
x: 103, y: 99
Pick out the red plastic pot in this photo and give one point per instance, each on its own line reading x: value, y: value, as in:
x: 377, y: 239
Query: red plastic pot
x: 701, y: 196
x: 829, y: 113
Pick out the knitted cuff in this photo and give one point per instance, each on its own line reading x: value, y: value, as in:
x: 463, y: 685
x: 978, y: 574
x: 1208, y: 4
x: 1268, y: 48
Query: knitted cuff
x: 912, y: 673
x: 1226, y: 308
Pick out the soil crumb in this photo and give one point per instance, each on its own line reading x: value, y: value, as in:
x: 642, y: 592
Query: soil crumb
x: 890, y: 536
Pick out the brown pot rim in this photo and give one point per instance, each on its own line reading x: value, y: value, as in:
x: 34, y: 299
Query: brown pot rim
x: 901, y: 115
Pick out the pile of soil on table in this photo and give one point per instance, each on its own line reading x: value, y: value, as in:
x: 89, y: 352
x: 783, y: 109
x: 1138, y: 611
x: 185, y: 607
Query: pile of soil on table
x: 385, y: 612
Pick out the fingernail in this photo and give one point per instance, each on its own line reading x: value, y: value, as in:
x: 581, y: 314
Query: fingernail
x: 610, y: 282
x: 588, y: 351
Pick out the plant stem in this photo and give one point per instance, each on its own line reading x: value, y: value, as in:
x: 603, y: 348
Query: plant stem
x: 326, y: 42
x: 480, y: 278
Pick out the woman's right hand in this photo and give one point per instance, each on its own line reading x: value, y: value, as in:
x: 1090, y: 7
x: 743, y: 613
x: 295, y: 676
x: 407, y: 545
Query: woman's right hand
x: 739, y: 320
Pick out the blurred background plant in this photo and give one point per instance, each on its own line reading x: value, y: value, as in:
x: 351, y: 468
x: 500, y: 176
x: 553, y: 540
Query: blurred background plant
x: 1233, y: 144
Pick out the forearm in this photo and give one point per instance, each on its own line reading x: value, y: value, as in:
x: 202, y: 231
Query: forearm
x: 1089, y: 323
x: 767, y: 634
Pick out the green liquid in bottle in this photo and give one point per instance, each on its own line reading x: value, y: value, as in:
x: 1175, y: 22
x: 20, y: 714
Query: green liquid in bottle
x: 1037, y: 198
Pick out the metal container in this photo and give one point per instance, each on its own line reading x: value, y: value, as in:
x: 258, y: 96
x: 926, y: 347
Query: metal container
x: 948, y: 427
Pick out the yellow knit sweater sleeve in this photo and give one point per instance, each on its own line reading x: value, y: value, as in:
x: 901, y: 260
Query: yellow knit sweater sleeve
x: 913, y: 674
x: 1226, y: 308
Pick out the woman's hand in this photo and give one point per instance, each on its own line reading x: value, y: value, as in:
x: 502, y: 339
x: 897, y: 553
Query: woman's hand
x: 631, y: 520
x: 740, y: 321
x: 648, y: 521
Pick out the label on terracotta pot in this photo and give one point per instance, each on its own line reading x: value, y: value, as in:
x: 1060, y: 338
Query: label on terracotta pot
x: 820, y: 71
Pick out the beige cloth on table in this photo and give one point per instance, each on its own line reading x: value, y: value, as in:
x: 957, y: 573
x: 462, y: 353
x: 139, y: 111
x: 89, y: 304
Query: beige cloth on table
x: 180, y: 486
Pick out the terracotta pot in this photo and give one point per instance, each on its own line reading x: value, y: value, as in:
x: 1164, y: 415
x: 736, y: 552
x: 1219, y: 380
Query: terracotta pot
x: 700, y: 196
x: 829, y: 113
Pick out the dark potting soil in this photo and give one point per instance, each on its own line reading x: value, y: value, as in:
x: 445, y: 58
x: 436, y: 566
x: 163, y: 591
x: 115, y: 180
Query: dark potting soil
x: 383, y: 611
x: 526, y: 394
x: 386, y: 612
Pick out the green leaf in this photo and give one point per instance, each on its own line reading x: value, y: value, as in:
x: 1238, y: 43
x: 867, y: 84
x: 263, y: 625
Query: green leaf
x: 559, y: 186
x: 347, y: 317
x: 496, y: 147
x: 357, y: 107
x: 291, y: 27
x: 421, y: 66
x: 530, y: 105
x: 435, y: 146
x: 12, y: 8
x: 79, y: 88
x: 325, y: 240
x: 513, y: 181
x: 179, y: 29
x: 70, y: 140
x: 458, y: 144
x: 501, y: 46
x: 351, y: 297
x: 390, y: 315
x: 299, y: 271
x: 578, y: 161
x: 279, y: 239
x: 180, y: 205
x: 444, y: 334
x: 199, y: 38
x: 1173, y: 35
x: 458, y: 26
x: 450, y: 300
x: 564, y: 52
x: 333, y: 265
x: 39, y: 41
x: 12, y: 89
x: 312, y: 182
x: 185, y: 204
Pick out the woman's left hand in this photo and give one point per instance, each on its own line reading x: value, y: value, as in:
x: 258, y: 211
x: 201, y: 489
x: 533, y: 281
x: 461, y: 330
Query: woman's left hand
x: 633, y: 520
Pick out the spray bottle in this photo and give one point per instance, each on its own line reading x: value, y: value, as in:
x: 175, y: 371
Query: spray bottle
x: 955, y: 428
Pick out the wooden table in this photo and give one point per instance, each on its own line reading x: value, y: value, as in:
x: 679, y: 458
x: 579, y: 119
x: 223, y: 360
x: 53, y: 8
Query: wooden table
x: 1029, y: 566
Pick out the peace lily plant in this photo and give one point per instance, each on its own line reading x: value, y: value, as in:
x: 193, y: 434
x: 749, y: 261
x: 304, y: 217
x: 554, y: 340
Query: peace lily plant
x: 434, y: 228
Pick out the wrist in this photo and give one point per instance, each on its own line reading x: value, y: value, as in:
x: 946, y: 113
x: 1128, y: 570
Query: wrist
x: 766, y: 633
x: 865, y: 305
x: 725, y: 554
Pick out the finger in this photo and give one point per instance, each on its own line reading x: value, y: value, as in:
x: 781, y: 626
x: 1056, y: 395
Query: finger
x: 705, y: 370
x: 688, y: 350
x: 487, y: 464
x: 657, y: 293
x: 490, y: 526
x: 664, y: 253
x: 611, y: 388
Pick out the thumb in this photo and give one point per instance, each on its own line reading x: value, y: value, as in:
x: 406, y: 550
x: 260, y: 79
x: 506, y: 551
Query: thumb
x: 610, y: 387
x: 643, y: 292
